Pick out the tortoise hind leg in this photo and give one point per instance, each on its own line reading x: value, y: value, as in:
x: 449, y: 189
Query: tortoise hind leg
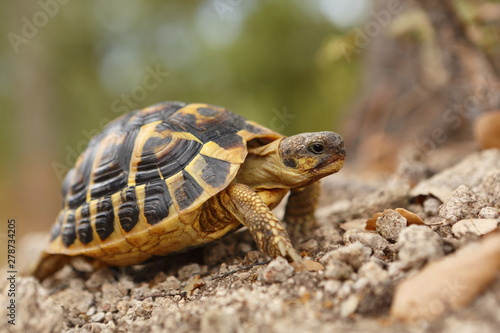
x: 267, y: 231
x: 300, y: 208
x: 50, y: 263
x: 47, y: 265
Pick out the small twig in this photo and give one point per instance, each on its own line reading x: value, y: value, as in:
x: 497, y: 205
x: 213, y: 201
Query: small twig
x: 183, y: 294
x: 240, y: 269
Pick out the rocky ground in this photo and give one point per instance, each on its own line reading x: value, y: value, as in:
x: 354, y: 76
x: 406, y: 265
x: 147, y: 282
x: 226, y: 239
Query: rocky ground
x: 430, y: 266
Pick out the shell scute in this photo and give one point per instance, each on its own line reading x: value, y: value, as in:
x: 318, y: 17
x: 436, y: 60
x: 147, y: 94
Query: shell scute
x: 104, y: 218
x: 157, y: 202
x: 128, y: 212
x: 84, y: 230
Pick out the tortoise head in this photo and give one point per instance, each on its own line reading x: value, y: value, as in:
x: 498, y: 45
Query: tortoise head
x: 308, y: 157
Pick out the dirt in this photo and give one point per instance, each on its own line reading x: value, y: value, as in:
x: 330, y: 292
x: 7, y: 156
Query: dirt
x: 352, y: 278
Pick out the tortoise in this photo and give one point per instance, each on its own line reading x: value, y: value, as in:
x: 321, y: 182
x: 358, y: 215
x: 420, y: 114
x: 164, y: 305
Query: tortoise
x: 174, y: 176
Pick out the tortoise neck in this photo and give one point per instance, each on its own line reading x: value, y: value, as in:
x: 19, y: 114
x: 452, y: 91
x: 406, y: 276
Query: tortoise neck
x: 264, y: 169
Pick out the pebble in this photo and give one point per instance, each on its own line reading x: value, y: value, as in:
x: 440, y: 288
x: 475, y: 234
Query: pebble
x: 122, y: 307
x: 188, y: 271
x: 431, y: 206
x: 110, y: 296
x: 373, y: 273
x: 349, y: 305
x: 98, y: 278
x: 170, y: 283
x: 278, y: 270
x: 417, y: 245
x: 91, y: 311
x: 390, y: 225
x: 331, y: 287
x: 98, y: 317
x: 374, y: 241
x: 464, y: 203
x: 489, y: 189
x: 489, y: 213
x: 338, y: 270
x: 353, y: 254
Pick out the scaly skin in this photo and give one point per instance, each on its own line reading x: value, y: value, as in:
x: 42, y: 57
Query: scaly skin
x: 300, y: 208
x: 242, y: 203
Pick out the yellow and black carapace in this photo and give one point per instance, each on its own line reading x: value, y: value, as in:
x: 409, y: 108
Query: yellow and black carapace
x: 174, y: 176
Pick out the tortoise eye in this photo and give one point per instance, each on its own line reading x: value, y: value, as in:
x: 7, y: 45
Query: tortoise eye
x: 316, y: 148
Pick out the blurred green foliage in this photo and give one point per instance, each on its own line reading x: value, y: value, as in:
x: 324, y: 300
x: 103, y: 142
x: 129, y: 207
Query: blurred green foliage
x: 270, y: 60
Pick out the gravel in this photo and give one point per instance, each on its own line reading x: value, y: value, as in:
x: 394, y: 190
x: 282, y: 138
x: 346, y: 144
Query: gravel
x: 353, y: 273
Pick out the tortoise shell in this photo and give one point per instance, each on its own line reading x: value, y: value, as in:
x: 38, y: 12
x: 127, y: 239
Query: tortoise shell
x: 136, y: 190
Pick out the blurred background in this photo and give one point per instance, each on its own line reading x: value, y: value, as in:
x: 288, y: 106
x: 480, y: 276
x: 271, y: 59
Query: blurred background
x: 382, y: 73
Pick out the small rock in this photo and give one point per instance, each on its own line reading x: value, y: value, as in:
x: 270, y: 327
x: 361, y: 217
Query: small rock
x: 98, y: 317
x: 82, y: 264
x: 374, y: 273
x: 94, y: 328
x: 278, y: 270
x: 92, y: 310
x: 98, y: 278
x: 331, y: 287
x: 338, y: 270
x: 464, y: 203
x: 78, y: 301
x: 390, y: 225
x: 475, y: 226
x: 170, y: 283
x: 346, y: 289
x: 418, y: 245
x: 431, y: 206
x: 188, y: 271
x: 489, y: 189
x: 489, y: 213
x: 122, y: 307
x: 354, y: 254
x: 224, y: 268
x: 252, y: 257
x: 126, y: 283
x: 110, y: 296
x: 349, y: 305
x: 374, y: 241
x: 411, y: 218
x: 144, y: 308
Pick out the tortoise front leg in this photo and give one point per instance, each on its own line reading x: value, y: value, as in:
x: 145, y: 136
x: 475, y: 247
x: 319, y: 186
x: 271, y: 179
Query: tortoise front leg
x: 300, y: 208
x: 267, y: 231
